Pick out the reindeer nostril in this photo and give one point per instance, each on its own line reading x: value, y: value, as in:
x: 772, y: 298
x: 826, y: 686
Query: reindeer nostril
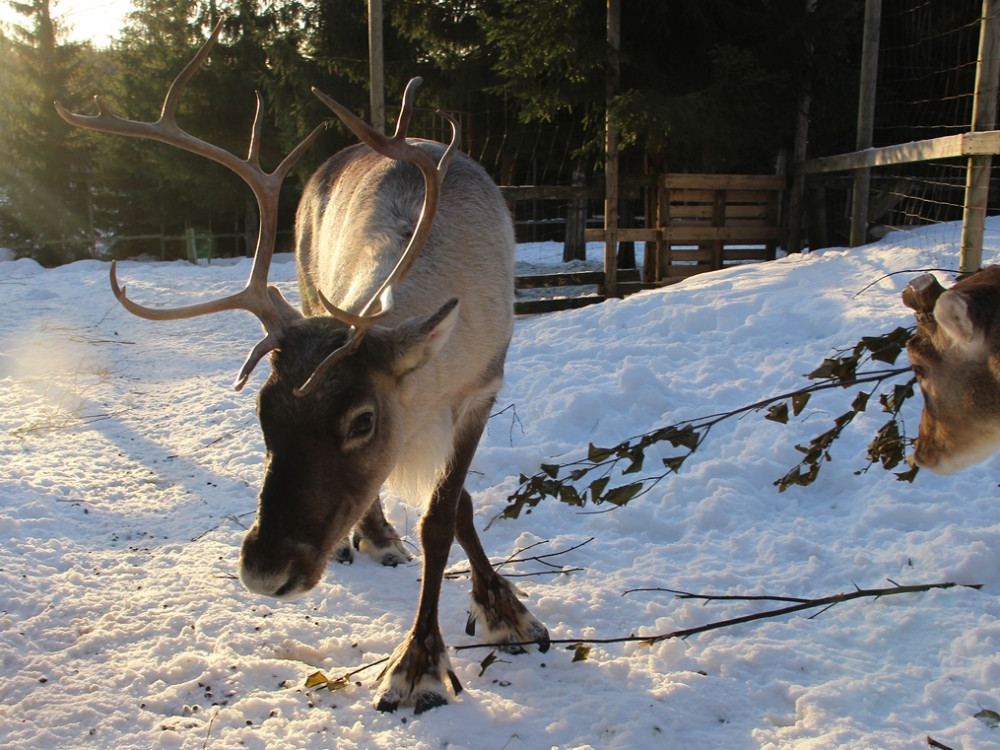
x: 290, y: 589
x: 275, y: 571
x: 282, y: 591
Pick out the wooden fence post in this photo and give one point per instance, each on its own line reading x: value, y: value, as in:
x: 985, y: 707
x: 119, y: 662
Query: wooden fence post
x: 977, y: 185
x: 575, y: 241
x: 797, y: 185
x: 866, y: 120
x: 611, y: 155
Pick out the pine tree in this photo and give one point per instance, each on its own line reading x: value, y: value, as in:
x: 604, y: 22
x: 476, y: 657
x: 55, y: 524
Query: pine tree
x: 45, y: 205
x: 151, y: 189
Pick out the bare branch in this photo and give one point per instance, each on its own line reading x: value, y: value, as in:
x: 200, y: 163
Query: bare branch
x: 826, y: 602
x: 934, y: 743
x: 542, y: 559
x: 318, y: 679
x: 717, y: 597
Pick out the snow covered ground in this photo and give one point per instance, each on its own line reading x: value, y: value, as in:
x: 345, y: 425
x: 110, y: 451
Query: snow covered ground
x: 129, y: 474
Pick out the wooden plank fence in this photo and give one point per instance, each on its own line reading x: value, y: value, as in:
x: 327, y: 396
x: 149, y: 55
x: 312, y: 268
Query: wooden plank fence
x: 709, y: 221
x: 629, y: 279
x: 700, y: 222
x: 705, y: 222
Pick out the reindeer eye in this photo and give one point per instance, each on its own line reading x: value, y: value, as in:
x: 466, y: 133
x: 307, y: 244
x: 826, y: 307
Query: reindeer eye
x: 362, y: 424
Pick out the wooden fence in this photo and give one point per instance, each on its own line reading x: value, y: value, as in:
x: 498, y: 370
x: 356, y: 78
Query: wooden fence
x: 693, y: 223
x: 559, y: 207
x: 705, y: 222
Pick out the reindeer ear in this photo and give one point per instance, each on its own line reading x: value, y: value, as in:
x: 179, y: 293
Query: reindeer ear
x: 952, y: 313
x: 419, y: 339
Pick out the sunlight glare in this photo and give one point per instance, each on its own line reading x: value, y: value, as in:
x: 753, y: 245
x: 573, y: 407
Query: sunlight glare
x: 99, y: 21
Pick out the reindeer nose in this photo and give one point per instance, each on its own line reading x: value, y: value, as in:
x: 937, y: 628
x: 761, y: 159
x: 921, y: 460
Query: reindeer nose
x: 935, y: 461
x: 271, y: 569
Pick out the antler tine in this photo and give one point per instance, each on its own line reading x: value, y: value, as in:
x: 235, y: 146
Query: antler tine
x: 395, y: 147
x: 172, y: 99
x: 406, y: 107
x: 253, y: 152
x: 266, y: 188
x: 172, y: 313
x: 256, y: 297
x: 165, y: 128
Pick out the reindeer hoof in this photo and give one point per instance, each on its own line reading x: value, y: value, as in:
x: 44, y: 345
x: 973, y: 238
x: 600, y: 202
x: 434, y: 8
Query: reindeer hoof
x: 536, y: 633
x: 421, y: 700
x: 392, y: 560
x: 424, y: 701
x: 391, y: 554
x: 542, y: 638
x: 427, y: 701
x: 404, y: 685
x: 504, y: 620
x: 343, y: 553
x: 386, y: 704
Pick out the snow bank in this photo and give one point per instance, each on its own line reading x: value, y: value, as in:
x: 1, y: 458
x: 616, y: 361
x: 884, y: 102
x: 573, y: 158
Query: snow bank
x: 130, y: 472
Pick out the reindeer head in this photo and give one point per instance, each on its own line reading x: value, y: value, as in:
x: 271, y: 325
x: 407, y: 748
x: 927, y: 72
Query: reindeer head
x: 330, y: 410
x: 329, y: 450
x: 955, y: 354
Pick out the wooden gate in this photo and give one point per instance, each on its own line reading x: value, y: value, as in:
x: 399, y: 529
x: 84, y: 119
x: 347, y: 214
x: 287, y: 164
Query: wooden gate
x: 707, y: 221
x: 694, y: 223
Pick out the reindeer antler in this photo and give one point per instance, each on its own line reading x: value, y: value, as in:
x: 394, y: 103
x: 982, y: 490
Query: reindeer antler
x: 921, y: 294
x: 264, y: 301
x: 396, y: 148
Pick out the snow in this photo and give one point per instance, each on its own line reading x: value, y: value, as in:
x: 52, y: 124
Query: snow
x: 130, y: 469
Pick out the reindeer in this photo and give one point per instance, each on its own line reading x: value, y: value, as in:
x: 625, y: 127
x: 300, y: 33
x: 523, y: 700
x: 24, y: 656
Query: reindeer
x: 955, y: 355
x: 386, y: 376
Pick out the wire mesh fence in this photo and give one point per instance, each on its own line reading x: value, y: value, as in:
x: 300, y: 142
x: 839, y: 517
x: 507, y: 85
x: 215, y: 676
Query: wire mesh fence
x: 928, y: 54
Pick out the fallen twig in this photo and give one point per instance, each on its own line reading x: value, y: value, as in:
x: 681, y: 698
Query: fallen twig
x: 65, y: 422
x: 934, y: 743
x: 228, y: 517
x: 514, y: 420
x: 825, y: 602
x: 716, y: 597
x: 211, y: 723
x: 542, y: 559
x: 579, y: 645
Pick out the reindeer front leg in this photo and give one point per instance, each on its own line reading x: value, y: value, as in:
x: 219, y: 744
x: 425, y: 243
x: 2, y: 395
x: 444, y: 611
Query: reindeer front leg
x: 418, y: 667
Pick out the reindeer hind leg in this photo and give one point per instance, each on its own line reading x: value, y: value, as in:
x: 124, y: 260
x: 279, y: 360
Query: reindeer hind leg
x: 376, y: 537
x: 495, y: 604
